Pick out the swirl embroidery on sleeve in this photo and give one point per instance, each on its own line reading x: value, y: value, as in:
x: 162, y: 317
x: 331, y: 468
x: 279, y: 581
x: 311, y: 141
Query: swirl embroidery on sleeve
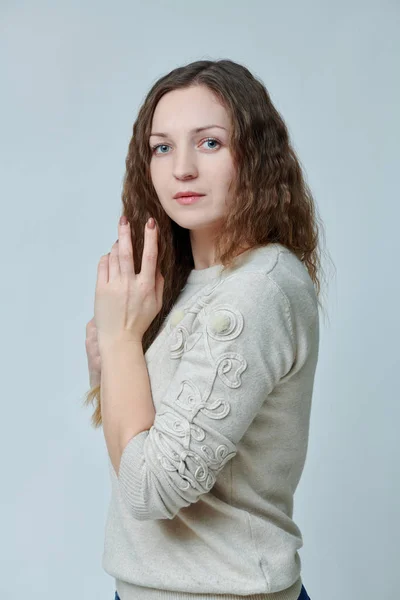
x: 222, y: 323
x: 177, y: 346
x: 183, y: 339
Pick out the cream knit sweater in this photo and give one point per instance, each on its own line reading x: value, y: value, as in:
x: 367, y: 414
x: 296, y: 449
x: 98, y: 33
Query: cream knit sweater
x: 203, y: 502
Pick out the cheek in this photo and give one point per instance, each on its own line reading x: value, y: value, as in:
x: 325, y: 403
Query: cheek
x: 225, y: 165
x: 156, y: 176
x: 160, y: 184
x: 224, y: 174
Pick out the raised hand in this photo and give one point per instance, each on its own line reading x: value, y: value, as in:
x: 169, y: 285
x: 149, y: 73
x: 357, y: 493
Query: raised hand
x: 126, y: 303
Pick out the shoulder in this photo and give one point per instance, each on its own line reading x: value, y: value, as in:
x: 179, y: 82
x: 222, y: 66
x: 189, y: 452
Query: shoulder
x: 268, y: 271
x: 270, y: 287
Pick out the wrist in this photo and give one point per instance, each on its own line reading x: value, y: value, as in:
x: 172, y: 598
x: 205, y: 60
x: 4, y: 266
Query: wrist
x: 112, y: 344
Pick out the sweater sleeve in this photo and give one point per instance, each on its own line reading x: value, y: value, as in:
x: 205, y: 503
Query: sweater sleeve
x: 242, y: 345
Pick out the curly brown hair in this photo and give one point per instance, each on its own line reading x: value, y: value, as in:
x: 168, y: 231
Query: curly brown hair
x: 271, y: 201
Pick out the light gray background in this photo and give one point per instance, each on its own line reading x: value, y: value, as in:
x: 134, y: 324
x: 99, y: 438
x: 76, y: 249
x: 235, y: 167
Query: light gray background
x: 73, y: 75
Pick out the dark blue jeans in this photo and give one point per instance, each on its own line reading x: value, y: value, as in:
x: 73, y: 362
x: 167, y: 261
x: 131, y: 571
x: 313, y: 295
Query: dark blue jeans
x: 303, y: 595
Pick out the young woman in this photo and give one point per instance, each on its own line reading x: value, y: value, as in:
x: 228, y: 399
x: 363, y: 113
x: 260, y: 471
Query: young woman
x: 204, y: 345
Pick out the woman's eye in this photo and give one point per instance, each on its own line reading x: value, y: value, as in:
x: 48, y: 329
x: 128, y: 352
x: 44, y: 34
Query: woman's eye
x: 211, y: 140
x: 154, y: 148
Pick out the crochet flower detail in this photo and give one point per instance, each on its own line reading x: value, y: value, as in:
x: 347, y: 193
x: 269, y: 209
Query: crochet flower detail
x: 177, y: 346
x: 182, y: 339
x: 185, y: 438
x: 176, y: 460
x: 176, y: 317
x: 224, y: 323
x: 229, y: 368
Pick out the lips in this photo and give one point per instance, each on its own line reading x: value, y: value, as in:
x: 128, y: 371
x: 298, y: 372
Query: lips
x: 188, y: 199
x: 187, y: 193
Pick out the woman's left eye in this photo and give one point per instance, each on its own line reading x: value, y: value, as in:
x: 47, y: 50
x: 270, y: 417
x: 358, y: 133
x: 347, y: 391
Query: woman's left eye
x: 211, y: 140
x: 154, y: 148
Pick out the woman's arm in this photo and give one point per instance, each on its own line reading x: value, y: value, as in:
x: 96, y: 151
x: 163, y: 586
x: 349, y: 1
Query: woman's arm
x: 126, y: 402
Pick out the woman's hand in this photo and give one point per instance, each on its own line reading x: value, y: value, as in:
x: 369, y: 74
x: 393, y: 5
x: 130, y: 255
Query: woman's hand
x: 126, y: 303
x: 93, y: 354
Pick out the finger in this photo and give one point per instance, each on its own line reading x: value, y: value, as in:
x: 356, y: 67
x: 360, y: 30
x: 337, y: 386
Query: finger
x: 90, y: 326
x: 114, y: 271
x: 102, y: 271
x: 159, y: 288
x: 125, y: 250
x: 91, y: 334
x: 150, y: 253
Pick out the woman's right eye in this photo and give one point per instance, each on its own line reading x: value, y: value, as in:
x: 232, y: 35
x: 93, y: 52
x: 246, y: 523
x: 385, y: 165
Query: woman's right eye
x: 154, y: 148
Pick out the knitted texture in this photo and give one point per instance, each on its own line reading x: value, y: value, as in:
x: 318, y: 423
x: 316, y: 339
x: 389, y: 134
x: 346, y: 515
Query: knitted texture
x: 203, y: 501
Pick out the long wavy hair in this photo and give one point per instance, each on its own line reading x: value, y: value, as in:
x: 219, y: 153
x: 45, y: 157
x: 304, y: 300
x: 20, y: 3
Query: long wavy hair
x: 271, y: 200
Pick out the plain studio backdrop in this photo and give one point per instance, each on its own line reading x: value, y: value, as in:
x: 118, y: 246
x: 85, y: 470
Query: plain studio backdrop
x: 73, y: 75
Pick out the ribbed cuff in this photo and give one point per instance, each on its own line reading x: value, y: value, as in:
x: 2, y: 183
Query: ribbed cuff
x: 132, y: 470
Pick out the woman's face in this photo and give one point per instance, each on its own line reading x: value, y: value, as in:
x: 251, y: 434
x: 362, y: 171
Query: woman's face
x: 188, y: 160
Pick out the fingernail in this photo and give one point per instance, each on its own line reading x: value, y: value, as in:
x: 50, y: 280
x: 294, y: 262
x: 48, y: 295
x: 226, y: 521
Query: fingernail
x: 123, y: 220
x: 150, y: 223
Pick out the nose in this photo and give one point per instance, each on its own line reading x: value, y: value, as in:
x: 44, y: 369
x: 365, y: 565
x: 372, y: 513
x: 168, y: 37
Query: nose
x: 185, y: 166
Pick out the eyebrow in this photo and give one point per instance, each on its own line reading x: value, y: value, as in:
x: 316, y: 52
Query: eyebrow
x: 196, y: 130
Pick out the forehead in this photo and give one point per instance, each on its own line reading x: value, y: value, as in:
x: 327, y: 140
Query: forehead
x: 189, y: 108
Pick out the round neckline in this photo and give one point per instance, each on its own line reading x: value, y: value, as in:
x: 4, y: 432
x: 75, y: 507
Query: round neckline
x: 204, y: 275
x: 208, y: 274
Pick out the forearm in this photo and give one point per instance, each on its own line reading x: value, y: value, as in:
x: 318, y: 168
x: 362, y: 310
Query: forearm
x: 126, y: 401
